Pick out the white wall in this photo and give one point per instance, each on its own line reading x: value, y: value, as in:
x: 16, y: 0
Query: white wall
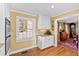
x: 7, y: 10
x: 44, y: 22
x: 2, y: 23
x: 4, y: 12
x: 2, y: 27
x: 78, y: 24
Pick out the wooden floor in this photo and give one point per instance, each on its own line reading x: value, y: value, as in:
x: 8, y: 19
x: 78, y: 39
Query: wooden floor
x: 51, y: 51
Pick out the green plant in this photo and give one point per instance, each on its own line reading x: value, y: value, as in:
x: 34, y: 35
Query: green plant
x: 48, y: 32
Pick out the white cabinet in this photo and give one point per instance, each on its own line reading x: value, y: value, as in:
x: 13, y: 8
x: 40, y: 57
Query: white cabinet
x: 45, y: 41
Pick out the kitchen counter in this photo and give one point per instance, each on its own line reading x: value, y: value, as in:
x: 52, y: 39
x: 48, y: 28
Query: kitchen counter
x: 45, y: 34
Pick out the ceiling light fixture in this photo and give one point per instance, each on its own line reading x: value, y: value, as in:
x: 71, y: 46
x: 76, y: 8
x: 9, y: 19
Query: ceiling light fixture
x: 52, y: 6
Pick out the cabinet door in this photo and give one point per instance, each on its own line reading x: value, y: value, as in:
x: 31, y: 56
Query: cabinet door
x: 50, y: 41
x: 44, y: 42
x: 40, y: 42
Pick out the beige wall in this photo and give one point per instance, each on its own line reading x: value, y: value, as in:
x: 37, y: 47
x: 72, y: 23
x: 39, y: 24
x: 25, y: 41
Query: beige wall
x: 24, y: 44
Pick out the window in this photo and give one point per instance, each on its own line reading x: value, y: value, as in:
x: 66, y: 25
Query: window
x: 24, y: 29
x: 29, y: 29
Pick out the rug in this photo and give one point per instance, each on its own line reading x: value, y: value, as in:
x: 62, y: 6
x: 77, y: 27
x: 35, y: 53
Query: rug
x: 69, y: 44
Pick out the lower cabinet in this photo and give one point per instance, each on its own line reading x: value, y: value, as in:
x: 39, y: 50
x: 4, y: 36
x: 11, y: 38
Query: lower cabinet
x: 45, y: 41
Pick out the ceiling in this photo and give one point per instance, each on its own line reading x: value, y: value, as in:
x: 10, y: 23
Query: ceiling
x: 45, y: 8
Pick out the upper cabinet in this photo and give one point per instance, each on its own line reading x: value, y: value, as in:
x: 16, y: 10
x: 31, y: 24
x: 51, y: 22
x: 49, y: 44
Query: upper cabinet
x: 44, y: 22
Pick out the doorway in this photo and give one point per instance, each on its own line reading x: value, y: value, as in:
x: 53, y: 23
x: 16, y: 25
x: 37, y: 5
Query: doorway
x: 67, y: 33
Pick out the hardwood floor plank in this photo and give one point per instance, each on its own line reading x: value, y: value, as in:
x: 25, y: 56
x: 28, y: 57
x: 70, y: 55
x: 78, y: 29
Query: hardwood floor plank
x: 51, y: 51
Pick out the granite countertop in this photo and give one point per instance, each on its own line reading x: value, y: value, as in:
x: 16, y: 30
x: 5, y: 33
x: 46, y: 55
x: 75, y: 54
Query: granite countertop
x: 44, y: 34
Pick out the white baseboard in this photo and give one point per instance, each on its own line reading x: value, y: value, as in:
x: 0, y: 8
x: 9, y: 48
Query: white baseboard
x: 20, y: 50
